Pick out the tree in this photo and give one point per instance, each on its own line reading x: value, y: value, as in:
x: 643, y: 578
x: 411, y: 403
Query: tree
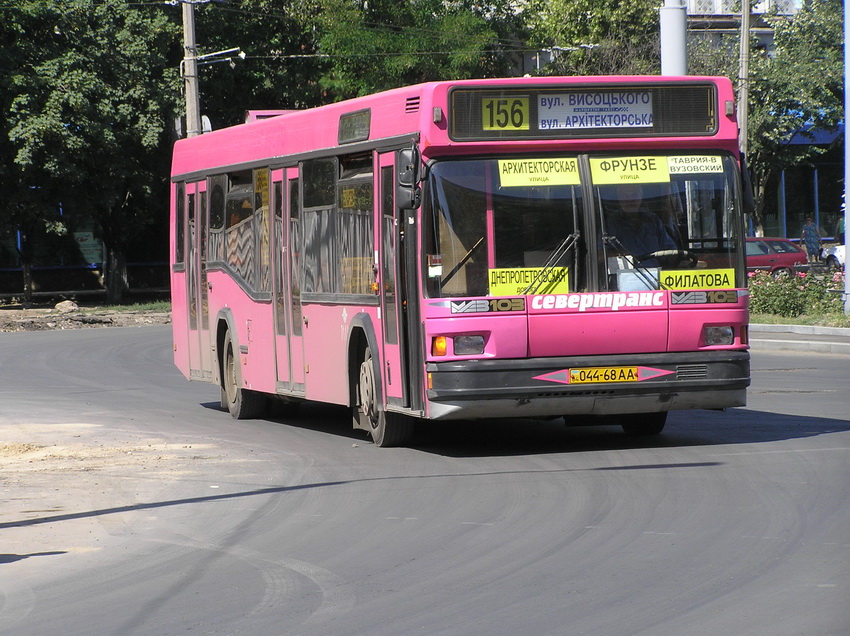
x: 383, y: 44
x: 92, y: 89
x: 598, y: 37
x: 279, y: 71
x: 796, y: 89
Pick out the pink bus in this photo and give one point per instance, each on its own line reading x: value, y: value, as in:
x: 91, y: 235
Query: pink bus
x: 524, y: 248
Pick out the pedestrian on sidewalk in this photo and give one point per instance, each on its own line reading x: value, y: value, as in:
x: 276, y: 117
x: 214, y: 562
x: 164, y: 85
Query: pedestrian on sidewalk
x: 810, y: 236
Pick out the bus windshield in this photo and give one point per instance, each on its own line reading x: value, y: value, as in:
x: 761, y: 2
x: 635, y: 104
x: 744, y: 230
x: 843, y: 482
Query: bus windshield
x: 498, y: 227
x: 491, y: 234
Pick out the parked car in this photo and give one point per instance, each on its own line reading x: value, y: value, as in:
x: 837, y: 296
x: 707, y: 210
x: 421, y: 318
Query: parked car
x: 833, y: 255
x: 779, y: 256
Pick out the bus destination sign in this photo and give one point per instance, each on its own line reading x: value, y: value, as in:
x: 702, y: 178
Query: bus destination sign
x: 622, y: 109
x: 582, y: 112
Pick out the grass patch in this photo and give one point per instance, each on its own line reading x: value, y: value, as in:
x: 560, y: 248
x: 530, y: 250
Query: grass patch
x: 161, y: 306
x: 832, y: 320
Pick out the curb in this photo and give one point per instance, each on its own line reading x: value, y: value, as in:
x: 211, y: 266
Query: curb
x: 806, y: 338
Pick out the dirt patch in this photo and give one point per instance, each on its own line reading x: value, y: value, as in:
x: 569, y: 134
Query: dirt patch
x: 45, y: 319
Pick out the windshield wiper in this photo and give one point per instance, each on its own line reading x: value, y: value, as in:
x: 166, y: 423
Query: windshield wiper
x: 563, y: 248
x: 648, y: 277
x: 461, y: 262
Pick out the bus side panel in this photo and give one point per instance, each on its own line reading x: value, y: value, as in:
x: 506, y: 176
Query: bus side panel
x: 252, y: 321
x: 597, y: 333
x: 179, y: 308
x: 180, y: 321
x: 687, y: 326
x: 325, y: 334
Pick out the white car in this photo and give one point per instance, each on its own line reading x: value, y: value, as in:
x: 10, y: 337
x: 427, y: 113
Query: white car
x: 833, y: 255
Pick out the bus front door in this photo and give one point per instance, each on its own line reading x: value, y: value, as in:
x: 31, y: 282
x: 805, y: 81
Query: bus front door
x: 395, y: 372
x: 199, y: 327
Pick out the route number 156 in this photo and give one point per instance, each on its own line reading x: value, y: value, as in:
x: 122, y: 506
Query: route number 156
x: 504, y: 113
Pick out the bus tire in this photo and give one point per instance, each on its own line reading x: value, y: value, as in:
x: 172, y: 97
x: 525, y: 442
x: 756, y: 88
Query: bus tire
x: 243, y: 404
x: 645, y: 423
x: 386, y: 428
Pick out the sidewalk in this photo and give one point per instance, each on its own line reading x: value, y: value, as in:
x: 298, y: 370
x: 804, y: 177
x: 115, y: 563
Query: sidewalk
x: 800, y: 338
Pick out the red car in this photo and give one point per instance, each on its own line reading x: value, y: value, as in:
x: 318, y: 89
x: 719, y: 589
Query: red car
x: 778, y: 256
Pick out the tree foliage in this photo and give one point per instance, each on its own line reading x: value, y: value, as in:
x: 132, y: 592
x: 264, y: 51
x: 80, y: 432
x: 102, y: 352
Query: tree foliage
x: 382, y: 44
x: 799, y: 87
x: 794, y: 88
x: 280, y: 70
x: 91, y: 91
x: 598, y: 37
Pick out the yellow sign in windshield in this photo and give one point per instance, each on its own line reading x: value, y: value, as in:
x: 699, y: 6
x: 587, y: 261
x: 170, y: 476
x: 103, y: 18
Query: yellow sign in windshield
x: 616, y: 170
x: 689, y: 164
x: 514, y: 281
x: 698, y: 279
x: 538, y: 172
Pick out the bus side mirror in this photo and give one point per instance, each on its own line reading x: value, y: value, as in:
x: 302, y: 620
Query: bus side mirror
x: 407, y: 193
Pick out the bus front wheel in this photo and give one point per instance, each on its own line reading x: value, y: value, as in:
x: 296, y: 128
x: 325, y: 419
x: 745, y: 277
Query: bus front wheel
x: 386, y: 428
x: 644, y: 423
x: 243, y: 404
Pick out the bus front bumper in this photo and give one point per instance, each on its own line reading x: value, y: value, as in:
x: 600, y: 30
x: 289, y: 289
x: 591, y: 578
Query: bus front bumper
x: 551, y: 387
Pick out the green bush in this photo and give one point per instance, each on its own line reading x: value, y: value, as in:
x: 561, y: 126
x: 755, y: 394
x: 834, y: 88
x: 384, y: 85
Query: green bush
x: 797, y: 295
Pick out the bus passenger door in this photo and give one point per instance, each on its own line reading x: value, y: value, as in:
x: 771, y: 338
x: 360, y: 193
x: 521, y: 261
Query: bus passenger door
x: 291, y: 282
x: 395, y: 375
x: 197, y: 292
x: 278, y: 245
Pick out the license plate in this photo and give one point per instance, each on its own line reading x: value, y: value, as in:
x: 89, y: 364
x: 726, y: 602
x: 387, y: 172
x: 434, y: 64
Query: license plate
x: 597, y: 375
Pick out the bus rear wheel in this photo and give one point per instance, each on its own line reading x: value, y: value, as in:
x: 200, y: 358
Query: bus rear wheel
x: 386, y: 428
x: 243, y: 404
x: 644, y: 423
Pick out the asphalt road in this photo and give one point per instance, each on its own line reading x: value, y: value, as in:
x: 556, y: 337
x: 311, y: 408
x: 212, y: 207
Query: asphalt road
x: 129, y: 504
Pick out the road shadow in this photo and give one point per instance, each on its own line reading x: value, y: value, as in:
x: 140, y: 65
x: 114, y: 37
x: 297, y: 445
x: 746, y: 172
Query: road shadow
x: 683, y: 429
x: 516, y: 436
x: 504, y: 438
x: 11, y: 558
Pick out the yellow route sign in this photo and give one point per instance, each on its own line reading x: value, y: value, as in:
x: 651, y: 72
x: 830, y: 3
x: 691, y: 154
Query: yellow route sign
x: 538, y: 172
x: 619, y: 170
x: 698, y: 279
x: 515, y: 280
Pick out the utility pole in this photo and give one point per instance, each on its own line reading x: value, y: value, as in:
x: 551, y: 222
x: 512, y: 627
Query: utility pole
x: 673, y: 22
x: 190, y: 71
x: 846, y: 167
x: 744, y: 75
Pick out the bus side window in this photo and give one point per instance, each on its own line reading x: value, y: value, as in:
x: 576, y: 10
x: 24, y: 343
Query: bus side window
x: 217, y: 186
x: 179, y: 225
x: 239, y: 232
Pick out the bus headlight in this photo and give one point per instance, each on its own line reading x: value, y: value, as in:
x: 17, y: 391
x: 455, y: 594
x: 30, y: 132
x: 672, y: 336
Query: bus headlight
x: 719, y: 336
x: 461, y: 345
x: 468, y: 345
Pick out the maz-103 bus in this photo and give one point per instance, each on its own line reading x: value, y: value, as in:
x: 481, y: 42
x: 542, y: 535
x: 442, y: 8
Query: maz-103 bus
x: 508, y: 248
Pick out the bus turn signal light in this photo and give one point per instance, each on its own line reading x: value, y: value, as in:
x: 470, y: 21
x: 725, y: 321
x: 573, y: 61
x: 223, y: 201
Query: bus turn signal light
x: 439, y: 346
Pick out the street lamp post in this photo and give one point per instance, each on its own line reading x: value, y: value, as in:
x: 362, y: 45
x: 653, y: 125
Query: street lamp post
x: 190, y: 63
x: 190, y: 72
x: 744, y: 75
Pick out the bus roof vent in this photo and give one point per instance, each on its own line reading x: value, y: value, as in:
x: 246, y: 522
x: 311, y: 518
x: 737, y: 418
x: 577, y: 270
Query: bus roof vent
x: 412, y: 105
